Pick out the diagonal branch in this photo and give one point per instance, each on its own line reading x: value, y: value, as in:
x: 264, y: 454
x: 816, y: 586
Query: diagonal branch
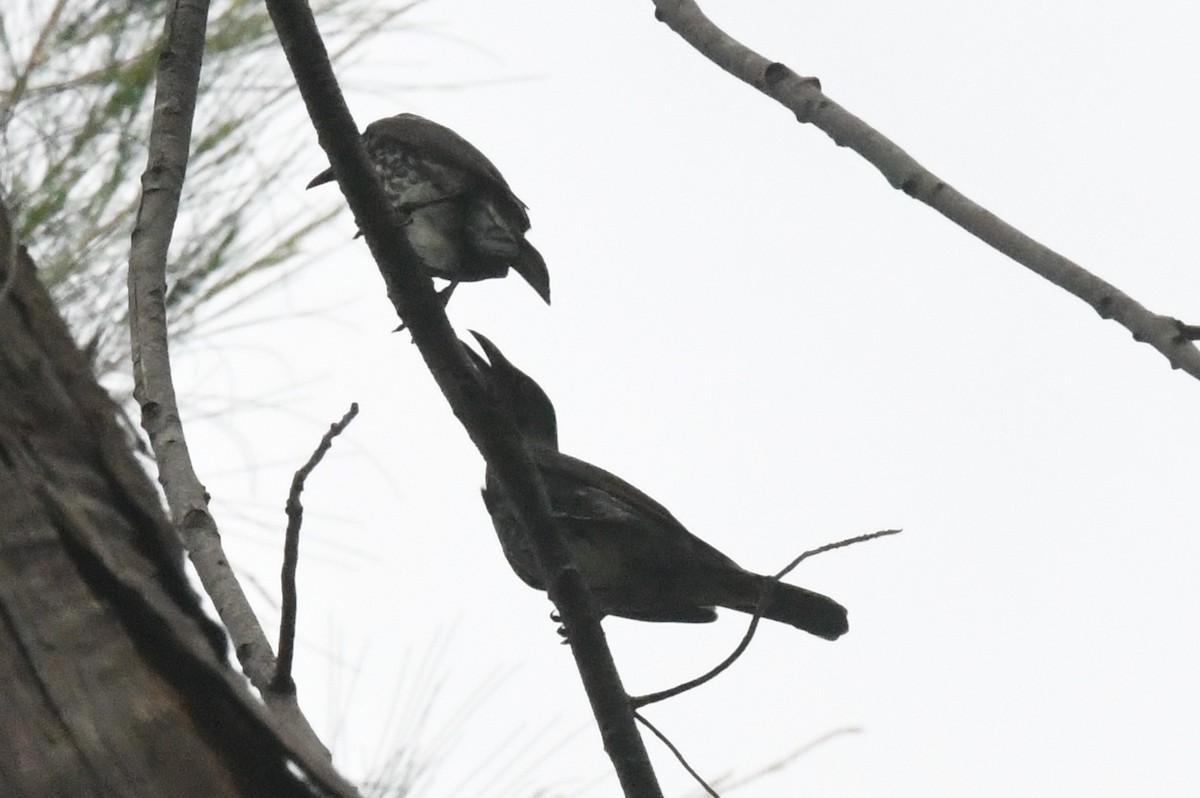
x: 162, y: 183
x: 803, y: 96
x: 411, y: 291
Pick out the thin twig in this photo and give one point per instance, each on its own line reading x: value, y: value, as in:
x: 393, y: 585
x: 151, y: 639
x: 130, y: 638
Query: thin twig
x: 803, y: 96
x: 662, y: 695
x: 678, y: 754
x: 282, y: 680
x: 840, y: 544
x: 640, y: 701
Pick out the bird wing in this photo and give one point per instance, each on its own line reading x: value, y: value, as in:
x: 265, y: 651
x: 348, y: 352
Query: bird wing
x: 440, y: 143
x: 583, y: 492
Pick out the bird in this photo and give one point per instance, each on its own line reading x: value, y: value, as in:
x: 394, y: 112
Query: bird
x: 458, y: 212
x: 636, y: 559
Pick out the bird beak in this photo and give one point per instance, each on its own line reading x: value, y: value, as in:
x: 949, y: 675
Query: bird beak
x: 518, y: 394
x: 529, y: 264
x: 476, y: 361
x: 507, y: 378
x: 324, y: 177
x: 498, y: 371
x: 494, y: 355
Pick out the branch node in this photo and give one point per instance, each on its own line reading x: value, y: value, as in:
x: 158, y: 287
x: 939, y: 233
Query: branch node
x: 1184, y: 333
x: 774, y: 74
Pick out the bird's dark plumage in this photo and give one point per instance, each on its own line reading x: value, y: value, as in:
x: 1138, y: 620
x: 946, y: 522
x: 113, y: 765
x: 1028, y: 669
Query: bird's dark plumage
x: 638, y: 561
x: 458, y: 212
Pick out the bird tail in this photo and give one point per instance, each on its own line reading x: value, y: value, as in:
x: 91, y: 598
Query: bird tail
x: 530, y: 265
x: 795, y: 606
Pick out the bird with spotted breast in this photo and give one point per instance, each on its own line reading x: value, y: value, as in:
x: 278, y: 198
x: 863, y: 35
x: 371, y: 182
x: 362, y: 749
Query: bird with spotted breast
x: 458, y: 212
x: 636, y: 559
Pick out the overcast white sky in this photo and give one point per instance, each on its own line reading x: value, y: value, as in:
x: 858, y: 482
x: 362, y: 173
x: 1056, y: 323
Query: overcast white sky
x: 750, y: 325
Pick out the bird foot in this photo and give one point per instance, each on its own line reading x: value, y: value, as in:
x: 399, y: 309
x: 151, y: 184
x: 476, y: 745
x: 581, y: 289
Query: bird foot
x: 562, y: 628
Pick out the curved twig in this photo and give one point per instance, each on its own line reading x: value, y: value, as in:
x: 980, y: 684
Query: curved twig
x: 640, y: 701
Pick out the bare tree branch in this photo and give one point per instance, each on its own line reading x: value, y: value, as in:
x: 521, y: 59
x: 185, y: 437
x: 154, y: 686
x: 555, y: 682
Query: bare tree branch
x: 803, y: 96
x: 162, y: 183
x: 282, y: 679
x: 411, y: 291
x: 678, y: 754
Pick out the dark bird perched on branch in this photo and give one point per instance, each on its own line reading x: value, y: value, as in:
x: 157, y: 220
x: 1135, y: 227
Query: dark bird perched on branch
x: 458, y: 212
x: 636, y: 559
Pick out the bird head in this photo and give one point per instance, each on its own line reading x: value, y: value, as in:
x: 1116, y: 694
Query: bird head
x: 517, y: 395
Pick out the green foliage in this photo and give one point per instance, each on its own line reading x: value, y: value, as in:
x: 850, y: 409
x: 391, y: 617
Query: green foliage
x: 76, y: 95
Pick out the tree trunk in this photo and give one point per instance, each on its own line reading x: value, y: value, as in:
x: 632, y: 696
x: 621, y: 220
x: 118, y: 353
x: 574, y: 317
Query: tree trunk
x: 112, y: 681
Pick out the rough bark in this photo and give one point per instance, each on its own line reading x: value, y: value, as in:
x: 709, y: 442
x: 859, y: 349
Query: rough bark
x: 114, y: 682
